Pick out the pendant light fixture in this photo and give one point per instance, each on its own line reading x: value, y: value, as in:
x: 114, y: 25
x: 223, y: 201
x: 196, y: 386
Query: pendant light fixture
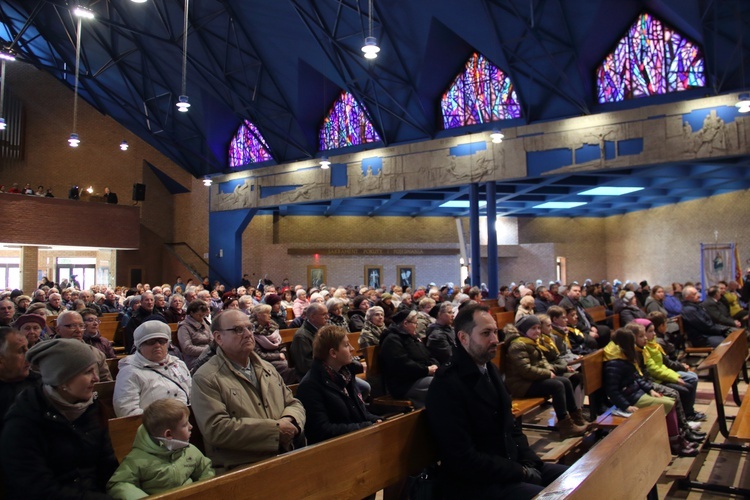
x: 183, y: 102
x: 81, y: 13
x: 370, y: 48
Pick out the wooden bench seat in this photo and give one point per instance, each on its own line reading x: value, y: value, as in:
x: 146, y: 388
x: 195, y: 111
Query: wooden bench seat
x: 626, y: 464
x: 354, y: 465
x: 599, y: 315
x: 287, y: 334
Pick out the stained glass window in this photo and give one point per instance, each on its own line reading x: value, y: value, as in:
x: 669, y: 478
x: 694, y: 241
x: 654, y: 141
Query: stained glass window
x: 247, y: 146
x: 482, y: 93
x: 346, y: 124
x: 650, y: 59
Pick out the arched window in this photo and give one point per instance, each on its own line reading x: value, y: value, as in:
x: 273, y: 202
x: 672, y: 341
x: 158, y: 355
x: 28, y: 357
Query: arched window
x: 650, y: 59
x: 346, y: 124
x: 247, y: 146
x: 482, y: 93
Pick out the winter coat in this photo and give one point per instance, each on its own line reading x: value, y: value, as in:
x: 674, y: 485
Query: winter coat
x: 659, y: 366
x: 480, y: 443
x: 101, y: 343
x: 734, y: 304
x: 404, y: 359
x: 699, y: 325
x: 654, y: 305
x: 370, y: 335
x: 150, y: 468
x: 718, y: 312
x: 238, y: 420
x: 356, y: 320
x: 623, y: 381
x: 339, y: 321
x: 332, y: 407
x: 441, y: 340
x: 630, y: 313
x: 299, y: 306
x: 194, y: 338
x: 524, y: 364
x: 552, y: 354
x: 302, y: 347
x: 47, y: 456
x: 140, y: 382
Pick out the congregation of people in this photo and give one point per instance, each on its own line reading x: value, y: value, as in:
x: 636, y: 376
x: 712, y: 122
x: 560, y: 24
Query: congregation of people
x: 228, y: 367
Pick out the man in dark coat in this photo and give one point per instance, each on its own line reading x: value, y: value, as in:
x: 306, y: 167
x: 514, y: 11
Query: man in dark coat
x: 699, y: 326
x: 441, y: 339
x: 301, y: 349
x: 483, y: 452
x: 600, y: 333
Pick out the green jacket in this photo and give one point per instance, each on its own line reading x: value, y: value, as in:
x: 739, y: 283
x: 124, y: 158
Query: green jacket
x: 150, y: 468
x: 654, y: 357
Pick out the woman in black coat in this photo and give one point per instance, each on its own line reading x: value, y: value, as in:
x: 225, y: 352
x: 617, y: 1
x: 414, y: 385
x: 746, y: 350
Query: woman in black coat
x: 405, y: 361
x: 332, y: 400
x: 55, y: 441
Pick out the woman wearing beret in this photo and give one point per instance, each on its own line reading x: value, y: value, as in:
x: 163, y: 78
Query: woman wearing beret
x: 151, y: 373
x: 55, y: 443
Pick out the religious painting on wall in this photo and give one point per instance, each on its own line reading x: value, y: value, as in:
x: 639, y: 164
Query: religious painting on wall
x: 316, y: 276
x: 405, y: 277
x: 373, y: 276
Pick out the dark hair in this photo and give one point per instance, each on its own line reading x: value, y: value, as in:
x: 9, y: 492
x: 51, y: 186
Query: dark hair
x: 464, y: 321
x: 625, y: 339
x: 197, y: 305
x: 657, y: 318
x: 88, y: 312
x: 655, y: 289
x: 4, y: 332
x: 555, y: 312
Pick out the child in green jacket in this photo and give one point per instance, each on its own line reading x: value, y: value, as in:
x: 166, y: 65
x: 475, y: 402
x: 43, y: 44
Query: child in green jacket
x: 162, y: 458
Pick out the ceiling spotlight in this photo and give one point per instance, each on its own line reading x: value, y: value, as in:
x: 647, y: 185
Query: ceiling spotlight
x: 83, y: 12
x: 2, y: 124
x: 7, y: 55
x: 183, y: 104
x: 138, y: 1
x: 371, y: 48
x: 497, y: 136
x: 73, y: 140
x: 743, y: 103
x: 207, y: 181
x: 124, y: 145
x: 325, y: 164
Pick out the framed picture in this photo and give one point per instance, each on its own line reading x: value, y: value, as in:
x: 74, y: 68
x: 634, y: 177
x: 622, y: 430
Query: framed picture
x: 316, y: 276
x: 374, y: 276
x: 405, y: 277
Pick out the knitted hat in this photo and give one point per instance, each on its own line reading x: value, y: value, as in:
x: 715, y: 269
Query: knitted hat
x: 525, y: 323
x: 645, y: 323
x: 30, y: 318
x: 358, y: 301
x: 386, y: 296
x: 20, y: 298
x: 60, y: 360
x: 151, y: 330
x: 400, y: 316
x: 417, y: 295
x: 629, y: 295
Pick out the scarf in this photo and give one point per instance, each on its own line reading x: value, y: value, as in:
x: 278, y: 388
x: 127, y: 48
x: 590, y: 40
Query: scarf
x: 546, y: 344
x: 267, y: 336
x: 563, y: 335
x: 71, y: 411
x: 340, y: 378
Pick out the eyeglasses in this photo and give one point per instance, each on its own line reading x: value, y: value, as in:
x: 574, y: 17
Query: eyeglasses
x: 92, y: 320
x: 238, y: 330
x: 80, y: 326
x: 150, y: 342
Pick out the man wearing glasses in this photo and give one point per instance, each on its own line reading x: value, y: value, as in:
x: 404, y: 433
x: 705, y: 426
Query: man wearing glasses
x: 243, y: 408
x: 92, y: 336
x: 70, y: 325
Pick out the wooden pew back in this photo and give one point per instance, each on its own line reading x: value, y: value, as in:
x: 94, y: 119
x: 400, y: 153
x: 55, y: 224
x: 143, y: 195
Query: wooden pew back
x: 626, y: 464
x: 503, y: 318
x: 365, y: 461
x: 122, y: 434
x: 105, y: 392
x: 287, y: 334
x: 592, y: 367
x: 107, y: 330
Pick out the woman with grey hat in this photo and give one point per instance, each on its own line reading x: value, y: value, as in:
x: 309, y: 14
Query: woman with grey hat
x: 54, y: 442
x: 151, y: 373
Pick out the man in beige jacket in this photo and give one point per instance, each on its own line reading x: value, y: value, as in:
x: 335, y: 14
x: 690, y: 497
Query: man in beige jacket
x: 243, y: 408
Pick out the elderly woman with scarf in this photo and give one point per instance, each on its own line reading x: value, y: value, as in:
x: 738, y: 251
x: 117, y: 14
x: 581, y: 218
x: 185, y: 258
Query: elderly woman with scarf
x: 373, y: 328
x: 529, y: 374
x: 268, y: 345
x: 54, y: 441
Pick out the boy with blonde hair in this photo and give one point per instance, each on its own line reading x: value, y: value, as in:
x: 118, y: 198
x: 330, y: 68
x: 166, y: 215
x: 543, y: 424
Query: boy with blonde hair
x: 162, y: 458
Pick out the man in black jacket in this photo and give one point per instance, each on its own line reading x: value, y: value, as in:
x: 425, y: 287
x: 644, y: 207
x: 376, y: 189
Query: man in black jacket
x: 483, y: 452
x: 699, y: 326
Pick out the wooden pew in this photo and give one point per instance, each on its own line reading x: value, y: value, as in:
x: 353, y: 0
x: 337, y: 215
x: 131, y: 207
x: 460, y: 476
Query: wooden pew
x: 592, y: 366
x: 108, y: 329
x: 105, y: 392
x: 503, y: 318
x: 599, y: 315
x: 122, y: 434
x: 351, y: 466
x: 626, y: 464
x: 725, y: 364
x: 109, y: 315
x: 114, y: 366
x: 175, y: 339
x: 287, y: 334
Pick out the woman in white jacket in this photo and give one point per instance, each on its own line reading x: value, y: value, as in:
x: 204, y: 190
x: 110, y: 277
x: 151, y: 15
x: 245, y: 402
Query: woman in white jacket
x: 151, y: 373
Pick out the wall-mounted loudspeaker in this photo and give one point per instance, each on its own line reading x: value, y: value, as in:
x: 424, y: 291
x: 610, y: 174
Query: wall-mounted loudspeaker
x: 139, y: 192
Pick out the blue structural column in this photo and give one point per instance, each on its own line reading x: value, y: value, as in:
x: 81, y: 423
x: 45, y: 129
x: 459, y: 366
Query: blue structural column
x: 492, y: 278
x: 225, y: 244
x: 476, y: 277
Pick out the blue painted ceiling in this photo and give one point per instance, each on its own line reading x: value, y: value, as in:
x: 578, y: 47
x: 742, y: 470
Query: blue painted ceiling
x: 280, y: 64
